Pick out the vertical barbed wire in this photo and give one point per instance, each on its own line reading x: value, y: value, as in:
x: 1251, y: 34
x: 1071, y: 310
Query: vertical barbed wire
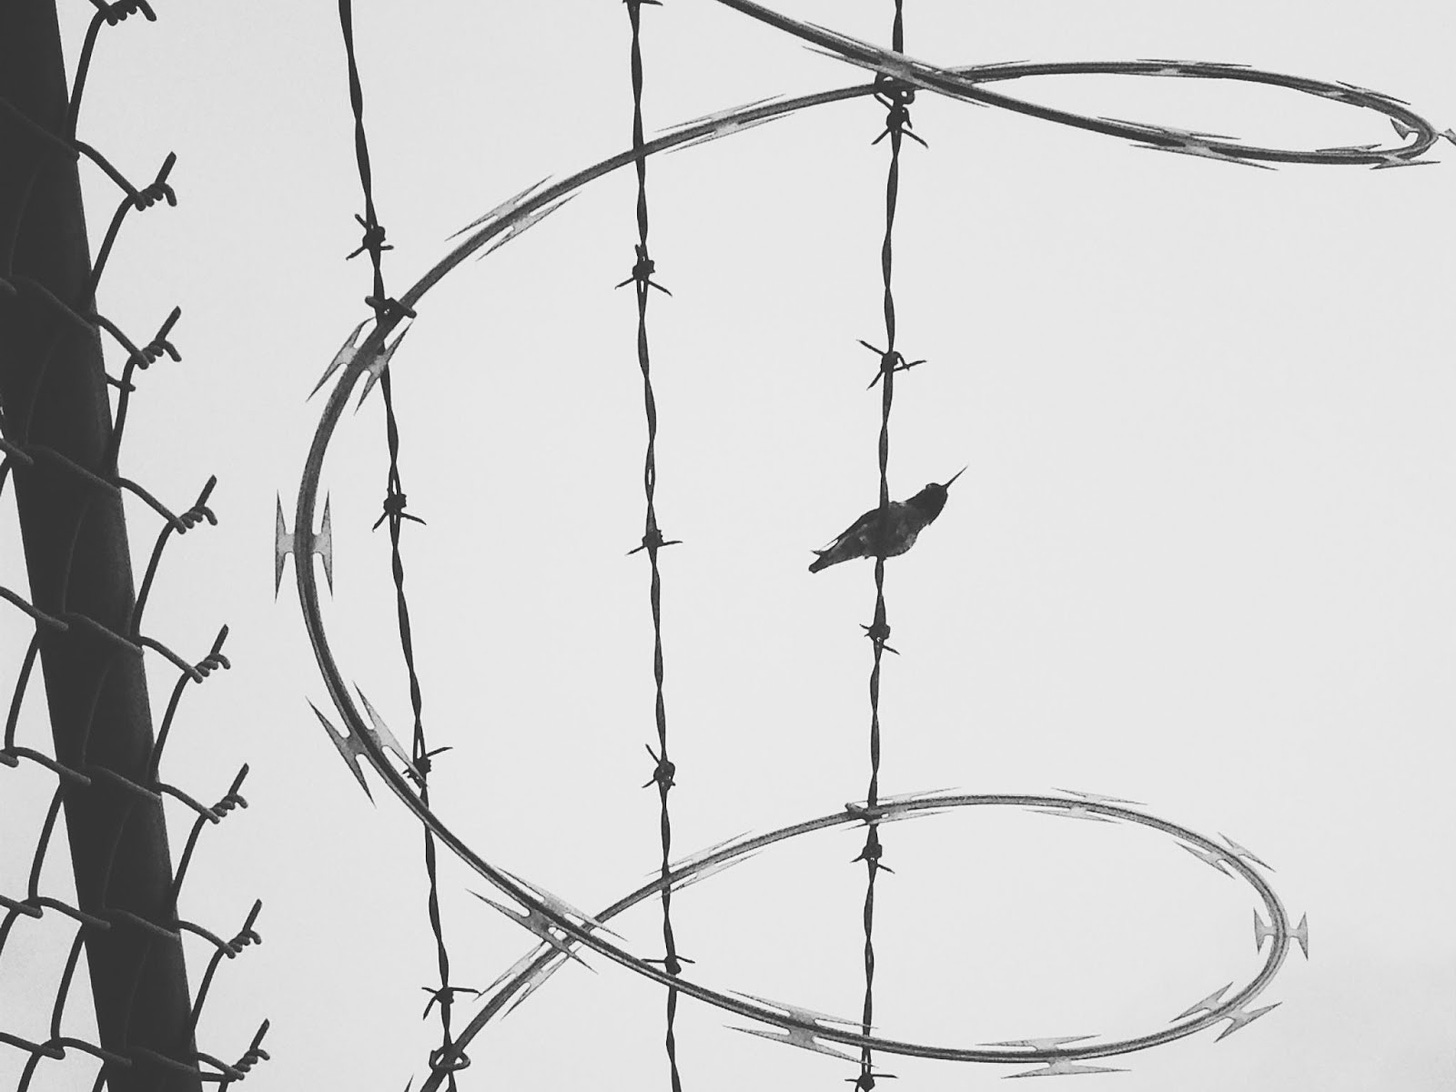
x: 664, y: 771
x: 388, y: 313
x: 895, y: 98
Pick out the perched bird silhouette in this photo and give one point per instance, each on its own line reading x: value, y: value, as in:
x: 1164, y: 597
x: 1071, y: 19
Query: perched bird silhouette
x: 870, y: 536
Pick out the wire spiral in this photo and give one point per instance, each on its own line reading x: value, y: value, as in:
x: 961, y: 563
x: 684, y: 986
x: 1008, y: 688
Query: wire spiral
x: 564, y: 929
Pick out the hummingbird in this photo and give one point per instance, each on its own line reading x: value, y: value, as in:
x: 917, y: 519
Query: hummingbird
x: 869, y: 536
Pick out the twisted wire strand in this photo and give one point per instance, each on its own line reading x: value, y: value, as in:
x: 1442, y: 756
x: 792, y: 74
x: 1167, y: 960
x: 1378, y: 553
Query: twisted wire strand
x: 652, y: 540
x: 387, y: 315
x: 880, y: 630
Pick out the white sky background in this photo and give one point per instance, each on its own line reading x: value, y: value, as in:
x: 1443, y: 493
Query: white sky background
x: 1201, y: 557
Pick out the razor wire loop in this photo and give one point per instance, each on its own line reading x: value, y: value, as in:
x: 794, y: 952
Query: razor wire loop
x: 1229, y: 860
x: 389, y: 312
x: 511, y: 218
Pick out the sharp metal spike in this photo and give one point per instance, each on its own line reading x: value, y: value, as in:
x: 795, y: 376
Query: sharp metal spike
x: 1391, y: 160
x: 342, y: 357
x: 909, y: 797
x: 1064, y: 1067
x: 282, y: 547
x: 713, y: 870
x: 1261, y: 932
x: 1240, y: 851
x: 535, y: 981
x: 700, y: 855
x: 1206, y: 1004
x: 1241, y: 1017
x: 525, y: 222
x: 514, y: 969
x: 1049, y: 1042
x: 347, y: 747
x: 797, y: 1037
x: 1301, y: 934
x: 383, y: 736
x: 1202, y: 151
x: 508, y: 205
x: 727, y: 130
x: 323, y: 545
x: 376, y: 368
x: 1074, y: 812
x: 305, y: 545
x: 539, y: 925
x: 1098, y: 798
x: 561, y: 906
x: 718, y: 115
x: 1215, y: 859
x: 799, y: 1012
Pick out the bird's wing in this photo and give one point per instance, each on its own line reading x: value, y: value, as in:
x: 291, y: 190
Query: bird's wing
x: 856, y: 528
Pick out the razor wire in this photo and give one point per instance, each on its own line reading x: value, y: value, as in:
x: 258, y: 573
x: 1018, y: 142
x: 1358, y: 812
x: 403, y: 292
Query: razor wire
x: 560, y: 929
x: 63, y: 449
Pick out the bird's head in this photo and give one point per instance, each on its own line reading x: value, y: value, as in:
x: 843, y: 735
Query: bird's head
x: 931, y: 499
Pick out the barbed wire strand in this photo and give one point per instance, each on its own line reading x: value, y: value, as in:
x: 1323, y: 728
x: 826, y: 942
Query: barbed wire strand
x: 879, y: 632
x: 388, y: 312
x: 652, y: 540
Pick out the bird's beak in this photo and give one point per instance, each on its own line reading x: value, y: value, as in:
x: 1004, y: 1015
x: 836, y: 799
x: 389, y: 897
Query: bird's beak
x: 958, y: 473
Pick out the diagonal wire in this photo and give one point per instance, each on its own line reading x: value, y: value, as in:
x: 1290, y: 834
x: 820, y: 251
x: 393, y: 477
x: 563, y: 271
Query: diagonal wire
x: 652, y: 540
x: 388, y: 312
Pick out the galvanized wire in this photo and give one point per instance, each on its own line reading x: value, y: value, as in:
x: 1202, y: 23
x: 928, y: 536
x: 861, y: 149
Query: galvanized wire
x: 388, y: 313
x: 664, y: 771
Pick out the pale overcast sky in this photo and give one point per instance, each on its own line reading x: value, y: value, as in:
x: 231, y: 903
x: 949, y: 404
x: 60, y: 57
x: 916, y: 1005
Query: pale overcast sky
x: 1201, y: 558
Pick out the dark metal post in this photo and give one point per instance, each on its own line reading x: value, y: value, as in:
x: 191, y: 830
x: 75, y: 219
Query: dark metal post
x: 56, y: 409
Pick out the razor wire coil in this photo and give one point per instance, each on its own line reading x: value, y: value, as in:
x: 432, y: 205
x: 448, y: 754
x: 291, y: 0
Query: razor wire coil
x: 561, y: 927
